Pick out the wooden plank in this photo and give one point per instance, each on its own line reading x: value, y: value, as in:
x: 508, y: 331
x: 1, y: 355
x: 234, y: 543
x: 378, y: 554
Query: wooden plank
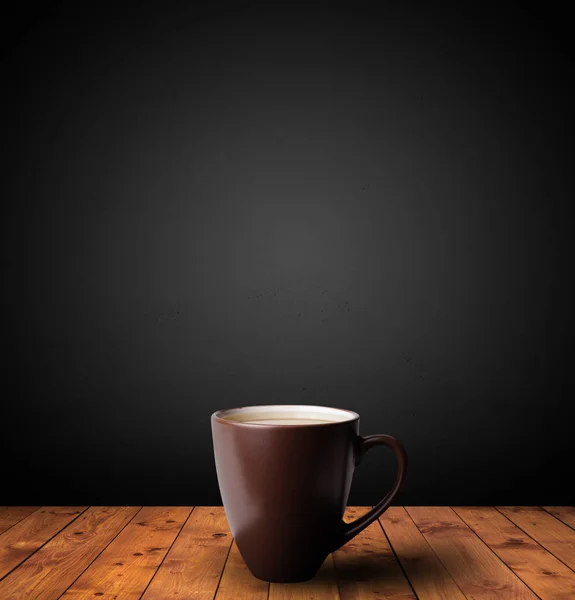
x: 366, y: 566
x: 478, y: 572
x: 548, y: 577
x: 127, y: 565
x: 322, y: 587
x: 24, y: 538
x: 193, y: 566
x: 238, y: 582
x: 426, y: 573
x: 47, y: 574
x: 563, y: 513
x: 10, y: 515
x: 554, y: 536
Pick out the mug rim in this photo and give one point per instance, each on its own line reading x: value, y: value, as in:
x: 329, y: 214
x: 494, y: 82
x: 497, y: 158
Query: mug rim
x: 217, y: 416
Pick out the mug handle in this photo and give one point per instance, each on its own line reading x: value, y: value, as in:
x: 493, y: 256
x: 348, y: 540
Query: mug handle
x: 350, y: 530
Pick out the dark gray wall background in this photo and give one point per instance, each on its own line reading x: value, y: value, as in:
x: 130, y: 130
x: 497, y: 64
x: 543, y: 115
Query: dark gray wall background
x: 344, y: 205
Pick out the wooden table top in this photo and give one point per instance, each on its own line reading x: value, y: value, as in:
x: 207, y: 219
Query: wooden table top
x: 182, y: 552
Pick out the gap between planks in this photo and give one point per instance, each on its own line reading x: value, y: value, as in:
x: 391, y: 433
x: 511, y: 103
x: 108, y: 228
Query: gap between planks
x: 556, y: 537
x: 475, y: 568
x: 566, y: 514
x: 195, y: 562
x: 425, y: 571
x: 196, y: 556
x: 10, y: 515
x: 548, y: 577
x: 54, y: 567
x: 27, y: 536
x: 126, y: 566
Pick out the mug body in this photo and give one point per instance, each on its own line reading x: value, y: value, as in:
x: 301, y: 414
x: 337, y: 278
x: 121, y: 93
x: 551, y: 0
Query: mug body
x: 285, y: 486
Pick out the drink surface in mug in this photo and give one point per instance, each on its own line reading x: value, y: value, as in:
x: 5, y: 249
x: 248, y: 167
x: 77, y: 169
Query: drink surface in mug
x: 286, y: 421
x: 288, y: 415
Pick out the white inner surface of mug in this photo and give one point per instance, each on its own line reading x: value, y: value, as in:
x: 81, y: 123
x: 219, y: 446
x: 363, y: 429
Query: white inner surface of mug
x: 287, y: 414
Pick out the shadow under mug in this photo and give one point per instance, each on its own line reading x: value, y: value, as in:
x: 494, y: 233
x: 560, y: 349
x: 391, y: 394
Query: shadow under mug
x: 284, y: 473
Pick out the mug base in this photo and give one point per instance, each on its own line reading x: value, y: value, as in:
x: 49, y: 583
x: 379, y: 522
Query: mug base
x: 277, y: 577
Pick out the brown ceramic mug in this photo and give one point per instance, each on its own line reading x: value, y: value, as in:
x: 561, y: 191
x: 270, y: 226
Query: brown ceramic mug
x: 285, y: 473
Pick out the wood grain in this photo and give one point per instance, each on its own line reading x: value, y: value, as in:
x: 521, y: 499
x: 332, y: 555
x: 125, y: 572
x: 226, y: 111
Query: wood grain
x: 554, y: 536
x: 48, y: 572
x: 548, y: 577
x: 322, y: 587
x: 24, y: 538
x: 10, y: 515
x: 478, y: 572
x: 426, y: 572
x: 366, y: 566
x: 127, y: 565
x: 483, y: 553
x: 238, y: 582
x: 563, y: 513
x: 193, y: 566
